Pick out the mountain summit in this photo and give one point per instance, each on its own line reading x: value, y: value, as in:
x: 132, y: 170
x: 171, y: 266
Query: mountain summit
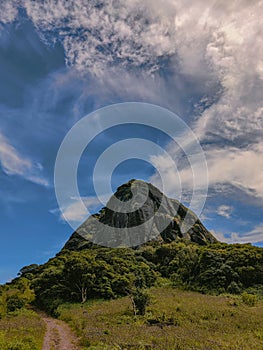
x: 137, y: 213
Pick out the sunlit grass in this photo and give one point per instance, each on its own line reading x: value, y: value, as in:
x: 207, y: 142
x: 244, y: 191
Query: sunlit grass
x: 175, y: 319
x: 21, y: 330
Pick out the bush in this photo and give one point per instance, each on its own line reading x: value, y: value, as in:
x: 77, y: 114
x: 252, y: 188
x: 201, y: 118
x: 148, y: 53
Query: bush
x: 249, y: 299
x: 14, y: 302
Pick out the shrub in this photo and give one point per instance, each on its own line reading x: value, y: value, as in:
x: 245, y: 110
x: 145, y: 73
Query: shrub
x: 249, y: 299
x: 14, y: 302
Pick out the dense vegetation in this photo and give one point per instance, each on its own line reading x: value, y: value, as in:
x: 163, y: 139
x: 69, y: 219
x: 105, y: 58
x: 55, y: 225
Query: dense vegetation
x: 76, y: 276
x: 217, y: 268
x: 90, y: 275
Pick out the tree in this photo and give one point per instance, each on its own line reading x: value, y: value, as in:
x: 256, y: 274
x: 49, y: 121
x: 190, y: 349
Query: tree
x: 140, y: 299
x: 27, y: 269
x: 79, y: 277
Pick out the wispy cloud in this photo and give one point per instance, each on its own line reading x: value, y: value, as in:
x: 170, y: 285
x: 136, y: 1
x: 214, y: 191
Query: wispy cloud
x: 253, y: 236
x: 213, y: 44
x: 8, y: 10
x: 224, y: 47
x: 100, y: 34
x: 13, y: 163
x: 228, y: 166
x: 75, y: 212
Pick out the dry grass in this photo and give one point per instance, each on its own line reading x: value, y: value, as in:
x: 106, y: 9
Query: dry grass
x: 22, y: 330
x: 174, y: 320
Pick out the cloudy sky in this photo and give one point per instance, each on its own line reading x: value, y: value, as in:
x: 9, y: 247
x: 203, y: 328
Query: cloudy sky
x: 61, y: 60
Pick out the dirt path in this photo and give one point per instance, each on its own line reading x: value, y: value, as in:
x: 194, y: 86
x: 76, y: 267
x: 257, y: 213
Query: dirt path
x: 58, y: 335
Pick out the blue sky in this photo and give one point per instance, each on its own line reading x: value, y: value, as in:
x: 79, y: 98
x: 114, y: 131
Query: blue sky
x: 61, y: 60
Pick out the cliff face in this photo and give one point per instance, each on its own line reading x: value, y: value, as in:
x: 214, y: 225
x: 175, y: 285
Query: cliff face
x: 136, y: 214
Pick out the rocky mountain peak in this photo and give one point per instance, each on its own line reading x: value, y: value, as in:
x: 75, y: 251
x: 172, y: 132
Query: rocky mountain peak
x: 137, y: 213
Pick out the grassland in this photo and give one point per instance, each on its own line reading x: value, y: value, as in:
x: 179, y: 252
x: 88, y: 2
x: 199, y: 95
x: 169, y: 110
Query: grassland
x: 21, y: 330
x: 174, y: 319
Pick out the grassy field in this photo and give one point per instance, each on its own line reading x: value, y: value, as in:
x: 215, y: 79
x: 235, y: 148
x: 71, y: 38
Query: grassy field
x: 174, y: 319
x: 21, y: 330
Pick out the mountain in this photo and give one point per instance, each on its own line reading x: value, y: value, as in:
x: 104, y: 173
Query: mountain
x: 181, y: 252
x: 137, y: 213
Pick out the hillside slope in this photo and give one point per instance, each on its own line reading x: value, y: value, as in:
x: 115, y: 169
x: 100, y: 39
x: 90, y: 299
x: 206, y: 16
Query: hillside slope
x: 174, y: 319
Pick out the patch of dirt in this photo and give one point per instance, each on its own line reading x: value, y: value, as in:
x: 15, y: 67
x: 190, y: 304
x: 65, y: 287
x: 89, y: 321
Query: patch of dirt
x: 58, y: 335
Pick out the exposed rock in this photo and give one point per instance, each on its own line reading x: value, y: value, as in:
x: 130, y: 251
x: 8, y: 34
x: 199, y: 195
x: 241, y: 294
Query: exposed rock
x: 136, y: 214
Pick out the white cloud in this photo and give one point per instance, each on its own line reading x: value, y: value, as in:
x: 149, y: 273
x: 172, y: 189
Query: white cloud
x: 75, y: 212
x: 241, y: 168
x: 13, y: 163
x: 215, y: 43
x: 222, y: 41
x: 254, y: 236
x: 225, y: 211
x: 8, y: 10
x: 234, y: 53
x: 215, y: 39
x: 97, y: 34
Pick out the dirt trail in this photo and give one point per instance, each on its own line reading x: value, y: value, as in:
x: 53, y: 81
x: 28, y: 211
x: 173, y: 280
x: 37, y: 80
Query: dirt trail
x: 58, y: 335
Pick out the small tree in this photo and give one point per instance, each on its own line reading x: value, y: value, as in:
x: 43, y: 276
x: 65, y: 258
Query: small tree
x: 140, y: 299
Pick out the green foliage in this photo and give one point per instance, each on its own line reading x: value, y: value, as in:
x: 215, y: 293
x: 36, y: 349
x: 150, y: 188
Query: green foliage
x: 100, y: 273
x: 249, y: 299
x: 141, y: 299
x: 14, y: 302
x: 97, y: 272
x: 217, y: 268
x: 89, y: 274
x: 15, y: 296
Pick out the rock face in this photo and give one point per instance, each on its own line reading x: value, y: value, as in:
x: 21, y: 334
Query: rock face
x: 136, y: 214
